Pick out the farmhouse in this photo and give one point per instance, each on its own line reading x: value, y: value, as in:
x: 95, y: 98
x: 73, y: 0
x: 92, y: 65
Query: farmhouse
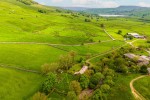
x: 142, y: 60
x: 84, y: 68
x: 136, y: 35
x: 148, y: 70
x: 130, y: 55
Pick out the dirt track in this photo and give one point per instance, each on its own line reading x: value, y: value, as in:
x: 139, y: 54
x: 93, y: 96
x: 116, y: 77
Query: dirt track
x: 136, y: 94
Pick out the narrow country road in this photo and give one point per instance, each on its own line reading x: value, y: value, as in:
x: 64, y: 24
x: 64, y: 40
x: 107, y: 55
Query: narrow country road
x: 135, y: 93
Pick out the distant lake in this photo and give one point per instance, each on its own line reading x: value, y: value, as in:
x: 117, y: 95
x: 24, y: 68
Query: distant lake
x: 103, y: 15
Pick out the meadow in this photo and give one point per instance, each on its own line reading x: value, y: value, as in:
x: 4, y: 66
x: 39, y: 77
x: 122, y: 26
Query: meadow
x: 28, y: 56
x: 63, y: 32
x: 143, y: 87
x: 18, y: 85
x: 121, y: 90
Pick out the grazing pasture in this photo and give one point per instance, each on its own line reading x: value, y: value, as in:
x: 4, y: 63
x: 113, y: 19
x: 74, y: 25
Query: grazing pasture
x: 121, y: 90
x: 48, y: 32
x: 143, y: 87
x: 29, y: 56
x: 18, y: 85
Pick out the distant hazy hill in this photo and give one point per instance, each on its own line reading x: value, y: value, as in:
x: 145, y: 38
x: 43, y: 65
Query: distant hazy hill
x: 123, y: 10
x: 76, y: 8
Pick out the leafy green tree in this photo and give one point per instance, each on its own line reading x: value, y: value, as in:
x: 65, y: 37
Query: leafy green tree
x: 108, y: 72
x: 102, y: 25
x: 75, y: 86
x: 71, y: 95
x: 49, y: 83
x: 66, y: 61
x: 119, y: 32
x: 98, y: 95
x: 39, y: 96
x: 109, y: 82
x: 84, y: 81
x: 105, y: 88
x: 144, y: 69
x: 96, y: 78
x: 87, y: 20
x: 72, y: 54
x: 46, y: 68
x: 134, y: 69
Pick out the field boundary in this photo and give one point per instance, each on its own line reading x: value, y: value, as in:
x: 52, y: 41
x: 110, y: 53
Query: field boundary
x: 38, y: 43
x: 101, y: 54
x: 109, y: 34
x: 21, y: 69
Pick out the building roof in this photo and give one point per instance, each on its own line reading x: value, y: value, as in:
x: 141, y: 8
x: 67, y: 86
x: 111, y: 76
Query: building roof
x: 84, y: 68
x: 130, y: 55
x: 142, y: 60
x: 134, y: 34
x: 144, y: 57
x: 148, y: 70
x: 82, y: 71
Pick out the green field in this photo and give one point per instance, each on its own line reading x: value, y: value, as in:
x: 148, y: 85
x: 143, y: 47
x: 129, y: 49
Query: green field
x: 29, y: 39
x: 121, y: 90
x: 93, y: 49
x: 28, y: 56
x: 143, y: 87
x: 18, y: 85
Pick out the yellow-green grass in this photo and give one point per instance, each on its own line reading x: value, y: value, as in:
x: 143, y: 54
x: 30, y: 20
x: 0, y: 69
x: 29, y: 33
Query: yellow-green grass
x: 29, y: 56
x: 93, y: 49
x: 127, y: 25
x: 141, y: 43
x: 24, y: 23
x: 121, y: 90
x: 18, y: 85
x: 143, y: 87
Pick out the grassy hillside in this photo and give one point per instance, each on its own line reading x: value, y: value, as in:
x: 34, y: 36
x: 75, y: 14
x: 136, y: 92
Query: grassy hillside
x: 28, y: 56
x: 32, y: 35
x: 122, y: 89
x: 18, y: 85
x: 134, y: 11
x: 21, y: 22
x: 143, y: 87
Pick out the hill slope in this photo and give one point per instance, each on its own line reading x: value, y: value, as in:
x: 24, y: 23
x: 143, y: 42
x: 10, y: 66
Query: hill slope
x: 122, y: 10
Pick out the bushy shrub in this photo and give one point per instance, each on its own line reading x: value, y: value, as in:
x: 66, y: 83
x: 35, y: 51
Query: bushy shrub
x: 27, y: 2
x: 41, y: 11
x: 87, y: 20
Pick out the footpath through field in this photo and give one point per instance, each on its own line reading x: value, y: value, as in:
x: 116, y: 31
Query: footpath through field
x: 109, y: 35
x: 21, y: 69
x: 136, y: 94
x: 38, y: 43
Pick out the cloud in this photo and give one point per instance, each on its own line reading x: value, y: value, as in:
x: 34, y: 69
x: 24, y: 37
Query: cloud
x: 57, y: 1
x: 143, y: 4
x: 95, y: 3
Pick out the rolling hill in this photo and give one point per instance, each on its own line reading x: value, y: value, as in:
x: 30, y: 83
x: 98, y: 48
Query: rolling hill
x: 41, y: 48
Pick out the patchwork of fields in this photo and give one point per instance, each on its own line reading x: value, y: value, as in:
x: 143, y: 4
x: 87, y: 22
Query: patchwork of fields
x: 143, y: 86
x: 21, y: 23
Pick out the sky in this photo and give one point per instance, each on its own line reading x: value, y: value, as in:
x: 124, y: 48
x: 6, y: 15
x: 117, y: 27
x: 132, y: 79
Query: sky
x: 95, y: 3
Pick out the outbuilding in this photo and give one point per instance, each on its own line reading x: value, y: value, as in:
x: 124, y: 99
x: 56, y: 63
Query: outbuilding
x: 148, y: 71
x: 136, y: 35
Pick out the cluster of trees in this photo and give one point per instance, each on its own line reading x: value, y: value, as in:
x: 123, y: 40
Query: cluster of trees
x: 41, y: 11
x: 64, y: 64
x: 130, y: 37
x: 121, y: 64
x: 27, y: 2
x: 99, y: 77
x: 87, y: 20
